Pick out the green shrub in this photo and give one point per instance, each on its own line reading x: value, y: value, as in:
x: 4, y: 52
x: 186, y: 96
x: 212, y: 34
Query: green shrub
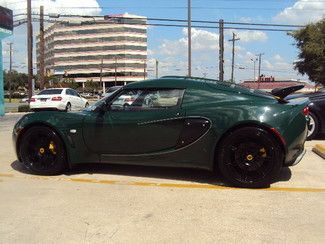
x: 23, y: 108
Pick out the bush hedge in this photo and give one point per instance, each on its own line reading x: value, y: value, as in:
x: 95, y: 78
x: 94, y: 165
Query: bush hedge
x: 23, y: 108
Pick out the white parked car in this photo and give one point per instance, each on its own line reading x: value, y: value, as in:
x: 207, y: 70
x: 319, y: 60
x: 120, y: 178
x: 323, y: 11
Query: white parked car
x: 58, y: 98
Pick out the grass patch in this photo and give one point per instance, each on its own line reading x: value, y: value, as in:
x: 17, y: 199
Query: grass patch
x: 13, y: 100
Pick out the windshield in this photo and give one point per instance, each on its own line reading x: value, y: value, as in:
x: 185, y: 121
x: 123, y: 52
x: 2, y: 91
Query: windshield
x: 50, y: 92
x: 100, y: 102
x: 113, y: 89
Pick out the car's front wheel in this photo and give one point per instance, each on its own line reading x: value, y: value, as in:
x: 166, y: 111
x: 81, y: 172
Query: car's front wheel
x: 250, y: 157
x: 42, y: 151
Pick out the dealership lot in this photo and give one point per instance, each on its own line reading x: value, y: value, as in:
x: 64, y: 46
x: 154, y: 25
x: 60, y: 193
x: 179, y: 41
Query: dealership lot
x: 111, y: 203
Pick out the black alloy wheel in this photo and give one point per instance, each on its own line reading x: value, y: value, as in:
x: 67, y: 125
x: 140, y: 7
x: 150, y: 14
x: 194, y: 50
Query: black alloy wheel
x: 42, y: 151
x: 313, y: 126
x: 250, y: 157
x: 68, y: 107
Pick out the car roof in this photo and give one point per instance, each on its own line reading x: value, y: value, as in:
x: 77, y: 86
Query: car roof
x: 53, y: 88
x: 172, y: 82
x: 194, y: 82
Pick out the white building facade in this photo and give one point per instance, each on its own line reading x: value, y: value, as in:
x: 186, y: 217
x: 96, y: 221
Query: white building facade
x: 113, y: 50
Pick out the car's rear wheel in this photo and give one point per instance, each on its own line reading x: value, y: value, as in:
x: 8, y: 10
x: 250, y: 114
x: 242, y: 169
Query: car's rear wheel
x: 68, y: 107
x: 42, y: 151
x: 313, y: 126
x: 250, y: 157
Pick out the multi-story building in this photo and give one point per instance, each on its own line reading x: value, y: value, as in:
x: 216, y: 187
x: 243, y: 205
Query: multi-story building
x: 112, y: 50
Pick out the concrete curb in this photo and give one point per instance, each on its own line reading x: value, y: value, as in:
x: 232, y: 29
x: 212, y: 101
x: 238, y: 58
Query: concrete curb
x: 319, y: 149
x: 16, y: 113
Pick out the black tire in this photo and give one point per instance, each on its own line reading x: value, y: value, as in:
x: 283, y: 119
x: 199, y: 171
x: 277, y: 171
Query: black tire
x: 87, y: 105
x: 250, y: 157
x: 313, y: 127
x: 68, y: 107
x: 42, y: 151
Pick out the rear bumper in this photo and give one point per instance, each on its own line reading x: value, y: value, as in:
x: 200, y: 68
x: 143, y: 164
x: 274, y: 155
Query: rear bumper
x: 44, y: 105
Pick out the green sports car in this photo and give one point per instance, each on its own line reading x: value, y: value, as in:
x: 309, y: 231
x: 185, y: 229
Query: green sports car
x: 247, y: 135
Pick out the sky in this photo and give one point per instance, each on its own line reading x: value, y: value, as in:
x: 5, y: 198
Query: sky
x: 168, y: 45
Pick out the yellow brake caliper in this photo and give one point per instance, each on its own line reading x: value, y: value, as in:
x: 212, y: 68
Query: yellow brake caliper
x: 52, y: 147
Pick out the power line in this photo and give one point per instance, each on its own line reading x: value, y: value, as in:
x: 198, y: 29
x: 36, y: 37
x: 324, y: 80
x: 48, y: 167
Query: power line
x: 184, y: 7
x: 22, y: 21
x: 171, y: 20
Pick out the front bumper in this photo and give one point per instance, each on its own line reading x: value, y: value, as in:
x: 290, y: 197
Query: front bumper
x: 297, y: 158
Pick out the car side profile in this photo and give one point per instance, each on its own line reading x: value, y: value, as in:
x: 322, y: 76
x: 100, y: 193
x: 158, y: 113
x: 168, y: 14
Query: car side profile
x: 64, y: 99
x: 173, y: 121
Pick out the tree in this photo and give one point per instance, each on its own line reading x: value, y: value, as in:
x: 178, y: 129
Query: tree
x: 91, y: 86
x: 18, y: 80
x: 311, y: 43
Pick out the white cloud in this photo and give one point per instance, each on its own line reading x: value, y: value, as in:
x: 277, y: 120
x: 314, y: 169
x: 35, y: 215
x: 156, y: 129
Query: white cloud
x: 246, y: 19
x: 201, y: 41
x: 249, y: 36
x: 277, y: 57
x: 302, y: 12
x: 82, y: 7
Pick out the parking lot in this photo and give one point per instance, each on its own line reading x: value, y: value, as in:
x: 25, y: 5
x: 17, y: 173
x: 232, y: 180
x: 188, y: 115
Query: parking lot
x: 129, y: 204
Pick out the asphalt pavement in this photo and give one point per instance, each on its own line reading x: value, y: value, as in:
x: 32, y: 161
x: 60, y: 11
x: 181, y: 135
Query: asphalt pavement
x: 131, y: 204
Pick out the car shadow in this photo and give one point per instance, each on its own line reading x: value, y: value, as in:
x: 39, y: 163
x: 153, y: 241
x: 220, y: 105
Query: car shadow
x: 319, y: 137
x: 180, y: 174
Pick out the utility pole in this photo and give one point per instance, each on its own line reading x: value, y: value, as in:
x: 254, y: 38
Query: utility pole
x: 29, y: 49
x: 157, y: 63
x: 189, y: 34
x: 144, y: 69
x: 254, y: 61
x: 115, y: 71
x: 101, y: 83
x: 233, y: 54
x: 259, y: 65
x: 10, y: 70
x: 41, y: 49
x: 221, y: 50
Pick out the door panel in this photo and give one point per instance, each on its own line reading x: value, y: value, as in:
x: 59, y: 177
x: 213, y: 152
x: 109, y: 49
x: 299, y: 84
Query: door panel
x: 133, y: 132
x: 139, y: 121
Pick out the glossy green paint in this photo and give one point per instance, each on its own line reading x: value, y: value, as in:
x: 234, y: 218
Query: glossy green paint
x: 149, y: 137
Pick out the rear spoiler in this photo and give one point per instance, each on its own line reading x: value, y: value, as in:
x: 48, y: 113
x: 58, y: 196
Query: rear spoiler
x: 281, y: 93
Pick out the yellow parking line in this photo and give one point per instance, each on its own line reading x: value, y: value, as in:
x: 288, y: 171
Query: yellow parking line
x: 6, y: 175
x: 168, y: 185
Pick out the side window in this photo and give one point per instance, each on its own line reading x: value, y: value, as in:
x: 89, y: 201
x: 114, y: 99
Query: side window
x: 68, y: 92
x: 125, y: 99
x: 135, y: 100
x: 74, y: 93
